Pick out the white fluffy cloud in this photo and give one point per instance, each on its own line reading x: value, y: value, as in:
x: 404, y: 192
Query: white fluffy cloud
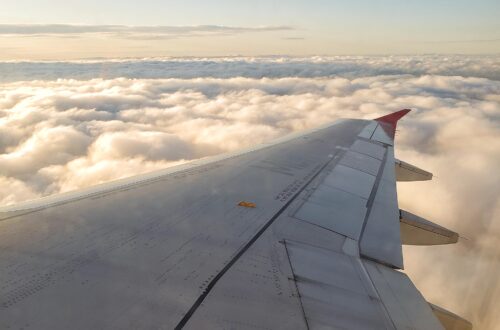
x: 62, y: 134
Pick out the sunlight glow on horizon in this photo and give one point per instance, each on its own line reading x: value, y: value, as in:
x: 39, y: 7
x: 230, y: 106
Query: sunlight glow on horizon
x: 222, y: 28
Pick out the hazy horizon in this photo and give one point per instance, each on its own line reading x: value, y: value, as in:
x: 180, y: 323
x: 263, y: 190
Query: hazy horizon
x: 56, y: 29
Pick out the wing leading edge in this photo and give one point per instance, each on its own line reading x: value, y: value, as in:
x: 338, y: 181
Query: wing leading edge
x: 300, y: 233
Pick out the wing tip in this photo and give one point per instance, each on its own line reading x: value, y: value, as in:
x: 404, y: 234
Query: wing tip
x: 393, y: 118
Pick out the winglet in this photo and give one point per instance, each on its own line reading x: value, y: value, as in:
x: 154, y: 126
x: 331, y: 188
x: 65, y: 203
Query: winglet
x: 390, y: 121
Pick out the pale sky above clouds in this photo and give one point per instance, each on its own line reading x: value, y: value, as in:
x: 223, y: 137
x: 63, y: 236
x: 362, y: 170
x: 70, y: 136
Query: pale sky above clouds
x: 220, y: 28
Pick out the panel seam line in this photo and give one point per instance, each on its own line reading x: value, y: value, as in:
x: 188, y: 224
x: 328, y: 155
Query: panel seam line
x: 219, y: 275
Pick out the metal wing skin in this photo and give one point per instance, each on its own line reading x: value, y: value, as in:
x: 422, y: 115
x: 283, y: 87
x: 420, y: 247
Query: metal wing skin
x: 301, y: 233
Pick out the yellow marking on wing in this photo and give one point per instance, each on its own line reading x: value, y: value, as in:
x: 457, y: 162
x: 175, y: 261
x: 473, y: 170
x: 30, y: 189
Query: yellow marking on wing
x: 247, y: 204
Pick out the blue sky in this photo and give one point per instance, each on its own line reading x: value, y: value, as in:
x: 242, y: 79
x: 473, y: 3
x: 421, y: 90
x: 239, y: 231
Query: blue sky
x: 315, y: 27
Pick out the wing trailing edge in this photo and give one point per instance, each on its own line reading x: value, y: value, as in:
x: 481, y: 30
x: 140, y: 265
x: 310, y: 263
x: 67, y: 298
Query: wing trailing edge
x: 419, y: 231
x: 449, y: 320
x: 408, y: 172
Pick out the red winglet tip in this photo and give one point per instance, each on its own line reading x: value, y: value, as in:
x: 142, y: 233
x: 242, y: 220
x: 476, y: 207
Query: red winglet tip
x: 391, y: 121
x: 392, y: 118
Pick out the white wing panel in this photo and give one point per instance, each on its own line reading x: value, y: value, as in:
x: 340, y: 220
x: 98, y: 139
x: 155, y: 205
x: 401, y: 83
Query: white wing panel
x: 361, y: 162
x: 369, y: 148
x: 407, y: 307
x: 381, y: 238
x: 335, y: 210
x: 381, y: 135
x: 367, y: 132
x: 350, y: 180
x: 333, y: 290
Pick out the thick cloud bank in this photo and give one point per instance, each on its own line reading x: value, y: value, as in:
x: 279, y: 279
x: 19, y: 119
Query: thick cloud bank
x: 250, y: 67
x: 60, y: 135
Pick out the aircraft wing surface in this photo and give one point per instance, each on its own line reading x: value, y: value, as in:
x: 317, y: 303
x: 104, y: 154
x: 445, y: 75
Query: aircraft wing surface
x: 301, y: 233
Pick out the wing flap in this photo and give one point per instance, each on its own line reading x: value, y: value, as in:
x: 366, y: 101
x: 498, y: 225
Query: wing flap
x: 449, y: 320
x: 419, y: 231
x: 333, y: 290
x: 405, y: 304
x: 409, y: 172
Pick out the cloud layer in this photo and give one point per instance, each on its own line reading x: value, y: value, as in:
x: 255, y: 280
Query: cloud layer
x: 63, y: 134
x: 254, y: 67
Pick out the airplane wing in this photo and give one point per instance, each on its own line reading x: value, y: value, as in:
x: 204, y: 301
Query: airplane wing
x: 301, y: 233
